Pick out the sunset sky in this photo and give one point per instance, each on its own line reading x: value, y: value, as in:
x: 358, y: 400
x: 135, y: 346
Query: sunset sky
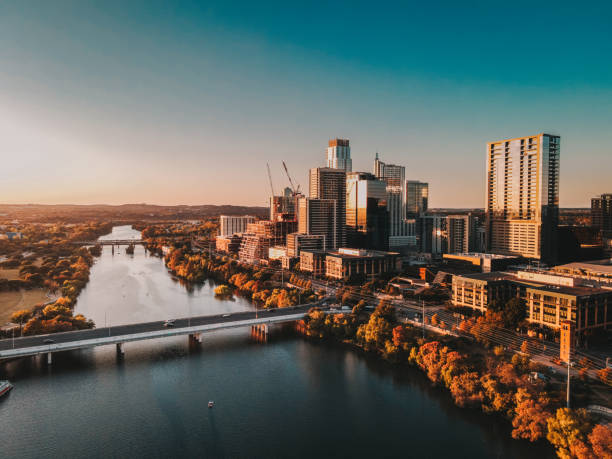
x: 185, y: 102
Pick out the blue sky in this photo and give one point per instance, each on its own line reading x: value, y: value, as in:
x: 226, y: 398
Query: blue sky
x: 185, y: 102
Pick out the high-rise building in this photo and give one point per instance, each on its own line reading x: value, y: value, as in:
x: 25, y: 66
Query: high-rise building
x: 393, y: 175
x: 367, y: 217
x: 434, y: 234
x: 296, y: 242
x: 231, y: 224
x: 401, y: 231
x: 523, y: 196
x: 339, y: 155
x: 601, y: 213
x: 329, y: 183
x: 461, y: 231
x: 417, y: 196
x: 320, y: 217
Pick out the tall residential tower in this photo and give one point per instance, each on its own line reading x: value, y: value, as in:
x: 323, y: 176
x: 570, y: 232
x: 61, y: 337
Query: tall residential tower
x: 523, y: 196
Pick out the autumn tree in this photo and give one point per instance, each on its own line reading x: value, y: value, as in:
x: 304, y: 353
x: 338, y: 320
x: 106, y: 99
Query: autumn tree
x: 530, y: 419
x: 601, y: 441
x: 567, y: 427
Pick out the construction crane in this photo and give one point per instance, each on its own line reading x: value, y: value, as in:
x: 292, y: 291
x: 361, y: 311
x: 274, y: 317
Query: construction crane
x: 293, y: 188
x: 270, y: 178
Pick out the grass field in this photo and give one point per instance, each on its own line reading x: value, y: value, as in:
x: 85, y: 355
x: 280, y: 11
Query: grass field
x: 14, y: 301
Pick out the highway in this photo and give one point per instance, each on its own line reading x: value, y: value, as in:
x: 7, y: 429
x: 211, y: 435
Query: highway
x: 32, y: 345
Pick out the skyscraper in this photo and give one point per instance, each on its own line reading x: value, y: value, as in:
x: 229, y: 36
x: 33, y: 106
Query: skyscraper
x: 367, y: 217
x: 417, y: 196
x: 393, y: 175
x: 329, y: 183
x: 339, y: 155
x: 401, y: 232
x: 461, y: 231
x: 523, y: 196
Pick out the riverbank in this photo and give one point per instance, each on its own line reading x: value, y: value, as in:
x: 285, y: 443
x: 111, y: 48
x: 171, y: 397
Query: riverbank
x: 494, y: 382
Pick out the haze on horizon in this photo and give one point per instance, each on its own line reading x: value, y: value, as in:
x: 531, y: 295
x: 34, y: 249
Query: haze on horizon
x: 184, y: 102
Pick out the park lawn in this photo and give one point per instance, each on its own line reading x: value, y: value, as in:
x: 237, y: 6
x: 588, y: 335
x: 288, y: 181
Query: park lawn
x: 10, y: 274
x: 15, y: 301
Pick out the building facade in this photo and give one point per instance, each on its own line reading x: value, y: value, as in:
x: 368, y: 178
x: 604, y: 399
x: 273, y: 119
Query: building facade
x: 522, y: 199
x: 328, y: 183
x: 339, y: 155
x: 367, y: 217
x: 319, y: 217
x: 296, y: 242
x: 434, y: 234
x: 313, y: 261
x: 601, y: 213
x: 231, y: 224
x: 461, y: 233
x: 417, y: 198
x: 346, y: 263
x: 549, y: 299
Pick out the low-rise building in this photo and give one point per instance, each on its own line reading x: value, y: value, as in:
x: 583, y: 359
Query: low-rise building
x: 345, y: 262
x: 228, y: 244
x: 313, y: 261
x: 549, y: 299
x: 296, y: 242
x: 480, y: 262
x: 277, y: 252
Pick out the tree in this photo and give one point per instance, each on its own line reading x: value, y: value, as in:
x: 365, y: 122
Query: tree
x: 601, y: 441
x: 525, y: 347
x: 514, y: 313
x: 530, y: 420
x: 466, y: 389
x: 567, y: 427
x: 20, y: 317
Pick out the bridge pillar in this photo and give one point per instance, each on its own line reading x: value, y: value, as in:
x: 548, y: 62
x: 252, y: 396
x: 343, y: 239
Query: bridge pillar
x: 120, y: 349
x: 49, y: 358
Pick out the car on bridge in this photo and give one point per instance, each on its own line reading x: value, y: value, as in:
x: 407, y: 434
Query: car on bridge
x: 169, y: 323
x: 48, y: 341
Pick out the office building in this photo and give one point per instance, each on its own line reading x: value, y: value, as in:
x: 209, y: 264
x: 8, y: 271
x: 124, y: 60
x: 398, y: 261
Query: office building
x: 549, y: 299
x: 231, y: 224
x: 339, y: 155
x: 523, y: 196
x: 391, y: 174
x: 313, y: 261
x: 401, y: 231
x: 367, y: 217
x: 330, y: 184
x: 601, y: 213
x: 368, y: 264
x: 296, y: 242
x: 417, y: 198
x: 319, y: 217
x: 480, y: 262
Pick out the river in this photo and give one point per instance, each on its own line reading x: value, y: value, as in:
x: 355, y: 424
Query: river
x: 286, y: 398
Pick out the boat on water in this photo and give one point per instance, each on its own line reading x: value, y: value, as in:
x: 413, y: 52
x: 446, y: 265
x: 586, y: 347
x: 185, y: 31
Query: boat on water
x: 211, y: 404
x: 5, y: 387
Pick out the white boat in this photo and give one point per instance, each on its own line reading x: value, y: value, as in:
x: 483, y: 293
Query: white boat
x: 211, y: 404
x: 5, y: 387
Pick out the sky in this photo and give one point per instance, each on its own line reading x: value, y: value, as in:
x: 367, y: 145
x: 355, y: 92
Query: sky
x: 185, y: 102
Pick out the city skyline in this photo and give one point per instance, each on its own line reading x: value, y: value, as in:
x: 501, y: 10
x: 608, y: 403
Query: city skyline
x: 159, y: 104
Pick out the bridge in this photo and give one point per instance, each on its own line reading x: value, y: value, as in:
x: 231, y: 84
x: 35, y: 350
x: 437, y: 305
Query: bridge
x: 192, y: 326
x: 110, y: 242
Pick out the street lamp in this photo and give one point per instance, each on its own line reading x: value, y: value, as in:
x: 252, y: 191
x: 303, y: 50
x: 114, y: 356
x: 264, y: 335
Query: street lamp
x: 569, y: 364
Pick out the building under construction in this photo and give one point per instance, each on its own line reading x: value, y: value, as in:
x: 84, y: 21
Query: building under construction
x: 262, y: 235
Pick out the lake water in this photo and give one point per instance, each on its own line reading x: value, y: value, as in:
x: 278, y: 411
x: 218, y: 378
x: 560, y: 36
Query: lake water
x: 286, y: 398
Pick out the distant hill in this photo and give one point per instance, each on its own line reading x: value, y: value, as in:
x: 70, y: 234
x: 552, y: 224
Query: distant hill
x: 73, y: 213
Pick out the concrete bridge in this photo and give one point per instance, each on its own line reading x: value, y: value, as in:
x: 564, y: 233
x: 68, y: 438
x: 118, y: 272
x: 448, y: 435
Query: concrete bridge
x: 110, y: 242
x: 193, y: 326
